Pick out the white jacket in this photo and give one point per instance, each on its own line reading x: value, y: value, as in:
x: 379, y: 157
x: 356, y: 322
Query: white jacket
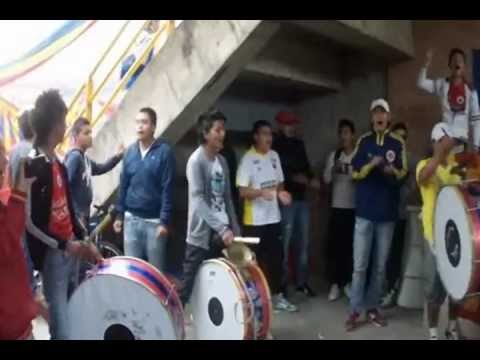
x: 459, y: 121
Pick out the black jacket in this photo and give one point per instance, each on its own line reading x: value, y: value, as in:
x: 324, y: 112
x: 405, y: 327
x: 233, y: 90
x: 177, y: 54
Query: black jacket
x: 39, y: 239
x: 293, y: 157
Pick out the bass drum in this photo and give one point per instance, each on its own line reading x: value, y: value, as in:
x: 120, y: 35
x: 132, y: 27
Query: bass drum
x: 126, y: 299
x: 457, y: 240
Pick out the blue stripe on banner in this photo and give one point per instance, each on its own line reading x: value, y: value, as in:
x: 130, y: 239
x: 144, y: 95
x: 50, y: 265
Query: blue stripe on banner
x: 476, y: 69
x: 68, y: 27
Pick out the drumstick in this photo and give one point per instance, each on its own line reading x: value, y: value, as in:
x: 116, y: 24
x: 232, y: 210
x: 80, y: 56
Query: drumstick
x: 247, y: 240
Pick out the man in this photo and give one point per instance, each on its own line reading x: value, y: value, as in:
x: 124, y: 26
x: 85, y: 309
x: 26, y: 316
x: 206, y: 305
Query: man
x: 459, y: 102
x: 81, y: 168
x: 295, y: 218
x: 338, y: 174
x: 212, y: 221
x: 17, y: 305
x: 145, y: 199
x: 394, y: 263
x: 433, y: 173
x: 260, y: 180
x: 51, y: 225
x: 379, y: 166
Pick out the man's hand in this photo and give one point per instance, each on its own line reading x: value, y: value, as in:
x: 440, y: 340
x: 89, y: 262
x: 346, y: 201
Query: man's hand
x: 300, y: 179
x: 268, y: 194
x: 117, y: 226
x: 376, y: 161
x: 429, y: 57
x: 162, y: 231
x: 228, y: 237
x: 442, y: 148
x: 285, y: 198
x: 315, y: 184
x: 23, y: 184
x: 84, y: 251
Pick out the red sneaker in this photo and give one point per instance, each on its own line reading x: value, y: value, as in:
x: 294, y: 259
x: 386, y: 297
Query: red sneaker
x: 352, y: 322
x: 376, y: 318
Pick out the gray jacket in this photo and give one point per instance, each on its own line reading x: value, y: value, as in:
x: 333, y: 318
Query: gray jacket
x: 202, y: 221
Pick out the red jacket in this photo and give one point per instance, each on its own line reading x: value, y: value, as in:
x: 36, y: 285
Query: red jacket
x: 17, y: 306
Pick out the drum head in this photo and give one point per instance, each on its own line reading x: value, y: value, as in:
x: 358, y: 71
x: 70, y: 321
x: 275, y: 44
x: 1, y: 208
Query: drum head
x: 220, y: 307
x: 454, y: 232
x: 124, y: 300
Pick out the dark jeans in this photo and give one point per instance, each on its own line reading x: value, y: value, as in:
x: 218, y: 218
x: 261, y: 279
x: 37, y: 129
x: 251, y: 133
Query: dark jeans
x: 194, y: 256
x: 394, y: 263
x: 340, y: 246
x: 269, y: 253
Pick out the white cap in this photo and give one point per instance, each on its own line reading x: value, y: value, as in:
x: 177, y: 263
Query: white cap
x: 441, y: 130
x: 380, y: 103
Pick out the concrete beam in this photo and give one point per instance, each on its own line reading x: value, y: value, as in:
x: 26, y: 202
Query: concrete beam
x: 194, y: 67
x: 390, y: 39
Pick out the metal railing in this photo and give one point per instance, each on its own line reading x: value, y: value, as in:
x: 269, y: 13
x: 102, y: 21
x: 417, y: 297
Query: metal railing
x: 83, y: 102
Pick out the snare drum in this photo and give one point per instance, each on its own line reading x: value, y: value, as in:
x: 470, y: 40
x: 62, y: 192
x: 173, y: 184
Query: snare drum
x: 126, y: 299
x: 230, y: 304
x: 457, y: 240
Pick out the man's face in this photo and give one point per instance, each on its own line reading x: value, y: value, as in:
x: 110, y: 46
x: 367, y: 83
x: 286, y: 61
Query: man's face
x: 346, y: 136
x: 84, y: 137
x: 288, y: 130
x: 457, y: 65
x: 380, y: 119
x: 263, y: 139
x: 3, y: 162
x: 216, y: 136
x: 145, y: 127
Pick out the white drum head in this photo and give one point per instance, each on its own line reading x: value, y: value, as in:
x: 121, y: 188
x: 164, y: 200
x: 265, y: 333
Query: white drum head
x: 218, y: 301
x: 454, y: 242
x: 111, y: 307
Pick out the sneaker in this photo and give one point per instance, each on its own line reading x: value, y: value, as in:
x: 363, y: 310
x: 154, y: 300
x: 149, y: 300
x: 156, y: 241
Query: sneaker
x: 352, y: 322
x: 451, y: 335
x: 334, y: 293
x: 306, y: 290
x: 282, y: 304
x: 374, y: 317
x: 348, y: 290
x: 389, y: 300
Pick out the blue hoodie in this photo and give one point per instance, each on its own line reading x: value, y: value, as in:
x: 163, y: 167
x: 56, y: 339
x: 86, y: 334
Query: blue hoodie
x: 146, y: 185
x: 377, y: 194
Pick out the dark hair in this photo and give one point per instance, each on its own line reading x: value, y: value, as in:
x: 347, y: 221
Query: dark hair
x: 400, y: 126
x: 205, y: 123
x: 346, y: 123
x: 25, y: 125
x: 260, y: 124
x: 78, y: 125
x: 151, y: 114
x: 454, y: 52
x: 49, y: 110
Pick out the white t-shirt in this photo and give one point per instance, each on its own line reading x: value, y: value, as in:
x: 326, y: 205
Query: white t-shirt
x: 218, y: 192
x: 259, y: 171
x: 343, y: 187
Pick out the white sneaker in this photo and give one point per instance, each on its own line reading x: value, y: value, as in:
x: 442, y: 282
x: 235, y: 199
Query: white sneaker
x: 334, y: 293
x: 389, y: 299
x: 282, y: 304
x: 348, y: 290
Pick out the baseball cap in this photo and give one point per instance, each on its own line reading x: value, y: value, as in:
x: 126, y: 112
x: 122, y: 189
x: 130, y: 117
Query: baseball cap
x: 380, y: 103
x: 287, y: 118
x: 441, y: 130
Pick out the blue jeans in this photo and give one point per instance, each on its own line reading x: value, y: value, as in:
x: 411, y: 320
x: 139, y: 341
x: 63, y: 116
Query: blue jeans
x: 141, y: 241
x: 58, y: 269
x: 28, y: 259
x: 295, y: 221
x: 369, y: 299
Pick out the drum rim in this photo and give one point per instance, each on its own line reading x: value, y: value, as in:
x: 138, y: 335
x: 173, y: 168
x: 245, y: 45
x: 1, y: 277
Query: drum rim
x: 172, y: 311
x: 475, y: 250
x: 264, y: 291
x: 248, y: 326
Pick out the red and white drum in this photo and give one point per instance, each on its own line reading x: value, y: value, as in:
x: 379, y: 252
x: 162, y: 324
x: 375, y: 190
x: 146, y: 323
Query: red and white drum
x: 457, y: 239
x: 229, y: 305
x: 126, y: 299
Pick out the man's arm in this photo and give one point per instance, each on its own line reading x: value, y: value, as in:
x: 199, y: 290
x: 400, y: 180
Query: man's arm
x: 100, y: 169
x: 361, y: 164
x: 327, y: 172
x: 122, y: 191
x: 229, y: 204
x: 167, y: 185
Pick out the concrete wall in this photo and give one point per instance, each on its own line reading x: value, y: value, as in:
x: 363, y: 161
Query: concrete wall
x: 411, y: 105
